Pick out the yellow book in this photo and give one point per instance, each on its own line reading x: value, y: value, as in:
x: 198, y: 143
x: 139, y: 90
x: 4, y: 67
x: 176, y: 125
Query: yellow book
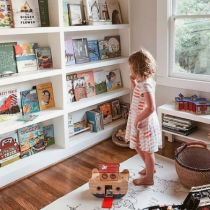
x: 45, y: 96
x: 9, y: 160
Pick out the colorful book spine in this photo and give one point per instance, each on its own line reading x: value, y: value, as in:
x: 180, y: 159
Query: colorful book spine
x: 44, y: 13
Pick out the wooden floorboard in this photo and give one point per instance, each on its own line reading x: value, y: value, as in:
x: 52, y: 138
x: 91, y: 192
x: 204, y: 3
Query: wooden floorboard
x: 39, y: 190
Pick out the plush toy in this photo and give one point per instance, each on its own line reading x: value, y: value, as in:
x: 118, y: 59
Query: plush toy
x: 121, y: 135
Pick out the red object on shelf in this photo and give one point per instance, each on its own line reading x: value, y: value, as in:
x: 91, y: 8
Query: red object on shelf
x: 107, y: 203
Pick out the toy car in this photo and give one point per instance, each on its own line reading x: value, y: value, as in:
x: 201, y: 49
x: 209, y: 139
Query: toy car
x: 6, y: 73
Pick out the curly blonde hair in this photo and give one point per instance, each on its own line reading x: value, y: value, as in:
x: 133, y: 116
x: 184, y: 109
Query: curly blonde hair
x: 142, y: 63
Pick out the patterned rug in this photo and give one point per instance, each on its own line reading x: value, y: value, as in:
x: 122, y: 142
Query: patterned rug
x: 166, y: 190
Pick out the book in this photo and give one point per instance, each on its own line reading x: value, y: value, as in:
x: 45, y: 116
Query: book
x: 107, y: 112
x: 113, y: 80
x: 9, y: 104
x: 78, y: 126
x: 75, y: 14
x: 9, y: 160
x: 92, y: 9
x: 116, y: 111
x: 125, y: 108
x: 103, y: 10
x: 70, y: 125
x: 26, y: 57
x: 49, y: 138
x: 26, y: 13
x: 81, y: 52
x: 99, y: 22
x: 65, y: 13
x: 100, y: 82
x: 27, y: 117
x: 93, y: 50
x: 44, y: 13
x: 114, y: 11
x: 69, y: 52
x: 6, y: 17
x: 94, y: 119
x: 44, y: 58
x: 7, y: 57
x: 103, y: 49
x: 184, y: 133
x: 89, y: 82
x: 101, y: 123
x: 80, y: 88
x: 29, y: 101
x: 9, y: 145
x: 70, y: 88
x: 45, y: 96
x: 114, y: 46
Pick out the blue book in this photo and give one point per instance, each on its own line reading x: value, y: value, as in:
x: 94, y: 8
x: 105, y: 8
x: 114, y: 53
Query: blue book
x: 49, y: 135
x: 94, y: 119
x: 93, y: 50
x: 29, y: 101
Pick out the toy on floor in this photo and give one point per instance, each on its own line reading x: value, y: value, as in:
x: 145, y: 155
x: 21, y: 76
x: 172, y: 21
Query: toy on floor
x: 121, y: 135
x: 109, y: 183
x: 197, y: 199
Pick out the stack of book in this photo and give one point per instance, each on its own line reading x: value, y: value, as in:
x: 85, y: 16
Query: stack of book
x: 179, y: 125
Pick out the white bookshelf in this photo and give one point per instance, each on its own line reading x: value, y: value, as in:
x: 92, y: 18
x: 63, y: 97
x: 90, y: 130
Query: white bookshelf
x: 54, y: 37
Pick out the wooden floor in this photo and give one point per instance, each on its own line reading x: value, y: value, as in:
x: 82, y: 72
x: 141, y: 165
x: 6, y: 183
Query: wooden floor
x: 39, y: 190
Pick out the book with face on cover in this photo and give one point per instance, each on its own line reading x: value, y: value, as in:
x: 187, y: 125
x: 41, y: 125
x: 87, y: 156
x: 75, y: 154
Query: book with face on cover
x: 80, y: 88
x: 113, y: 80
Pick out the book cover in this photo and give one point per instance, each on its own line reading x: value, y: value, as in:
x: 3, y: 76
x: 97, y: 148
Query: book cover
x: 103, y: 10
x: 116, y: 111
x: 80, y: 88
x: 100, y: 122
x: 92, y: 9
x: 93, y: 50
x: 6, y: 17
x: 44, y: 58
x: 114, y: 46
x: 70, y: 125
x: 29, y: 101
x: 7, y: 57
x: 44, y: 13
x: 100, y: 82
x: 114, y: 11
x: 94, y: 119
x: 26, y: 13
x: 107, y: 112
x: 125, y: 108
x: 45, y: 96
x: 75, y: 14
x: 26, y: 57
x: 9, y: 160
x: 81, y: 52
x: 30, y: 135
x: 65, y: 13
x: 78, y: 126
x: 49, y: 138
x: 27, y: 117
x: 69, y: 52
x: 89, y: 82
x: 70, y: 88
x: 9, y: 145
x: 9, y: 104
x: 113, y: 80
x: 103, y: 49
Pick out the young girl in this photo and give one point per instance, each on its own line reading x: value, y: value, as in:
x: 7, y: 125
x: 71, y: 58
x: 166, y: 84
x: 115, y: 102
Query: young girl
x: 143, y: 129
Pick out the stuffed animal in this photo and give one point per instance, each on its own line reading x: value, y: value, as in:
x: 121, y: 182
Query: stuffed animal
x: 121, y: 135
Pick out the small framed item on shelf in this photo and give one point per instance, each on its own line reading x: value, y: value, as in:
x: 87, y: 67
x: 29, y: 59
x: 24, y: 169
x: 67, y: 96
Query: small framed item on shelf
x: 75, y: 14
x: 116, y: 110
x: 104, y: 15
x: 114, y: 46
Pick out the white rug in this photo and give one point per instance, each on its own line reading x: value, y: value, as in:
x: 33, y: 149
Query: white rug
x: 167, y: 190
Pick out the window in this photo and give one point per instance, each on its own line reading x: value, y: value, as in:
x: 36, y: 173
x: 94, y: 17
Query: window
x: 190, y: 39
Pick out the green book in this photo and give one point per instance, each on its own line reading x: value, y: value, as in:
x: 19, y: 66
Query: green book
x: 44, y: 13
x: 7, y: 57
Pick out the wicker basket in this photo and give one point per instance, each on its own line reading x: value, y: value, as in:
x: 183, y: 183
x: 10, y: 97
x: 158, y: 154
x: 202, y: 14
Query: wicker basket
x: 192, y: 162
x: 117, y: 140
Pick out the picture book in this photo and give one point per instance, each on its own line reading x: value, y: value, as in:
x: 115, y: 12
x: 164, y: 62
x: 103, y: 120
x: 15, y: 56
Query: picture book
x: 26, y: 57
x: 49, y: 137
x: 70, y: 125
x: 7, y: 57
x: 125, y: 107
x: 9, y: 145
x: 116, y: 111
x: 94, y: 119
x: 44, y: 58
x: 104, y: 15
x: 89, y: 82
x: 44, y: 13
x: 81, y: 52
x: 80, y: 88
x: 65, y: 13
x: 6, y: 18
x: 101, y: 123
x: 103, y: 49
x: 29, y: 101
x: 93, y: 50
x: 75, y: 14
x: 100, y: 82
x: 69, y: 52
x: 45, y: 96
x: 9, y: 104
x: 27, y: 117
x: 114, y: 46
x: 78, y: 126
x: 9, y: 160
x: 114, y: 11
x: 70, y: 88
x: 107, y: 112
x: 113, y: 80
x: 92, y: 9
x: 26, y: 13
x: 30, y: 135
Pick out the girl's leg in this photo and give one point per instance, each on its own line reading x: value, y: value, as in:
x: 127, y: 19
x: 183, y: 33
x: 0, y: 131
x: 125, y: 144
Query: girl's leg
x: 148, y: 179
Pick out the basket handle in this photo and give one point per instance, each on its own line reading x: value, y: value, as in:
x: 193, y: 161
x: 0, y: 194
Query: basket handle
x: 197, y: 143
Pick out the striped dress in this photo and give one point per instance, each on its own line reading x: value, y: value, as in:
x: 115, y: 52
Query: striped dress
x: 147, y: 137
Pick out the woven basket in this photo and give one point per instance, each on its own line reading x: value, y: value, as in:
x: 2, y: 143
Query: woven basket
x: 118, y: 141
x: 192, y: 162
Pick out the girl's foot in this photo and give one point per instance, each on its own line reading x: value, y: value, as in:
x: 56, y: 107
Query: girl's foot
x: 143, y: 181
x: 143, y: 172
